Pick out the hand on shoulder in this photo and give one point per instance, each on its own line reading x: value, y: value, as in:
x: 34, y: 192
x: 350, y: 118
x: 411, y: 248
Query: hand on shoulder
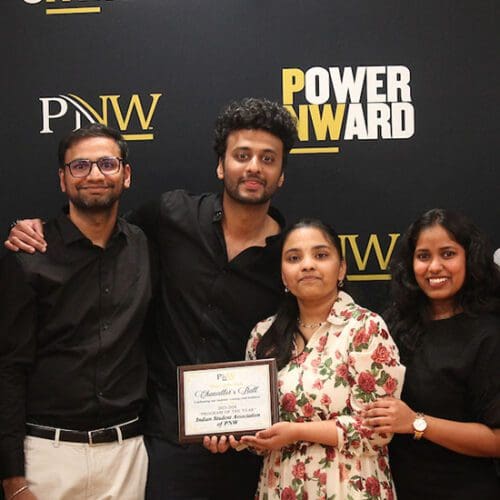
x: 26, y: 235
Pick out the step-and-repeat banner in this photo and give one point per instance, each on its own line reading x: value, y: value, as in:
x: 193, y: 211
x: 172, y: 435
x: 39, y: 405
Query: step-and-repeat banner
x: 395, y: 101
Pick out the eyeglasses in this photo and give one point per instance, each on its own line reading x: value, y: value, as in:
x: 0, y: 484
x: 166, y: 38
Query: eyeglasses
x: 108, y: 165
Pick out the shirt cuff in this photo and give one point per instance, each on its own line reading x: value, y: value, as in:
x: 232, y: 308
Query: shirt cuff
x: 12, y: 463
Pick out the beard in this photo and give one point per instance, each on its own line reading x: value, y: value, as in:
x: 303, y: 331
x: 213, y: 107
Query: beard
x: 232, y: 189
x: 96, y: 203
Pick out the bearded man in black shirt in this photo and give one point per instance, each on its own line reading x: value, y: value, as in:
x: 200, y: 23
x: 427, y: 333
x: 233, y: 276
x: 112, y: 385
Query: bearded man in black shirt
x: 219, y: 275
x: 72, y: 366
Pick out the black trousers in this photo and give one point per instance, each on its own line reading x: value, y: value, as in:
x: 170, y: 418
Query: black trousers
x: 192, y: 472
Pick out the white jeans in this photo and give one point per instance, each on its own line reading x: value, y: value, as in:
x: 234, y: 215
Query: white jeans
x: 77, y: 471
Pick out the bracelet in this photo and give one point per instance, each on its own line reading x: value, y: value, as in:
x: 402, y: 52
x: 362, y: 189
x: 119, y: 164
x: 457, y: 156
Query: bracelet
x: 13, y: 224
x: 20, y: 490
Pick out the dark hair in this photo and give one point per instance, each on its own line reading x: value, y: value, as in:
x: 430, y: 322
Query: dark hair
x: 278, y: 340
x: 255, y: 114
x: 410, y: 307
x: 92, y: 130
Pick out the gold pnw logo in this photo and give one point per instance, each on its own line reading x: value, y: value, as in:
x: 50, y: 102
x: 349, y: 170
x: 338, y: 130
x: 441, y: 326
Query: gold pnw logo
x: 131, y: 115
x: 371, y: 256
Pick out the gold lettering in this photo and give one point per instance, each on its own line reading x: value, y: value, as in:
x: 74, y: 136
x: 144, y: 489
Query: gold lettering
x: 302, y: 121
x: 323, y: 121
x: 327, y: 121
x: 292, y: 81
x: 373, y: 243
x: 134, y: 104
x: 122, y: 121
x: 103, y: 120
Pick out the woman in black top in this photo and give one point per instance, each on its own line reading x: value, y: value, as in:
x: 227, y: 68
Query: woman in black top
x: 445, y: 317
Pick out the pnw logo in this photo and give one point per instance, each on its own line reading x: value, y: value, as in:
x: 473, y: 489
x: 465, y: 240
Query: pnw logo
x: 58, y: 7
x: 335, y: 104
x: 368, y: 259
x: 131, y: 115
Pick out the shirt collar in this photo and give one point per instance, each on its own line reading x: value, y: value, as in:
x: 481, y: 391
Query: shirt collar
x: 273, y: 212
x: 342, y: 309
x: 71, y: 234
x: 217, y: 208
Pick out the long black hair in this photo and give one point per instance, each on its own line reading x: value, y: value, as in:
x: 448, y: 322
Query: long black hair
x: 278, y: 340
x: 410, y: 308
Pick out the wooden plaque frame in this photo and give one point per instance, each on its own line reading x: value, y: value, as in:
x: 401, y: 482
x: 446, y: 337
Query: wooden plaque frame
x: 223, y: 408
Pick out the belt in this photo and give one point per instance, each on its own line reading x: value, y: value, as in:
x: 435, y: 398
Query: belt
x: 105, y: 435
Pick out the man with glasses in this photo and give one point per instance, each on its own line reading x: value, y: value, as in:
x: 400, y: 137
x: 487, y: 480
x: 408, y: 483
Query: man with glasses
x: 72, y: 367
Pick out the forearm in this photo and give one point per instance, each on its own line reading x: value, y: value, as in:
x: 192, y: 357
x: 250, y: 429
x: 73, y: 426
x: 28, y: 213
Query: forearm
x: 472, y: 438
x: 322, y: 432
x: 13, y: 484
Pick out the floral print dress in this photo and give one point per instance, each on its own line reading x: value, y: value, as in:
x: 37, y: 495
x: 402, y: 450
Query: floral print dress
x: 350, y: 360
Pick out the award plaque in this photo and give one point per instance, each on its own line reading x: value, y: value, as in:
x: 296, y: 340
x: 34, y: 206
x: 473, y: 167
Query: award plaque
x: 235, y: 398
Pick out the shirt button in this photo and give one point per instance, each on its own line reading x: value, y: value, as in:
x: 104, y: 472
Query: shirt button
x: 105, y: 326
x: 106, y: 290
x: 100, y: 393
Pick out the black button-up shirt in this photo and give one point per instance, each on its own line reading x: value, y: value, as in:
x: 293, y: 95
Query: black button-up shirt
x: 207, y: 305
x: 71, y: 355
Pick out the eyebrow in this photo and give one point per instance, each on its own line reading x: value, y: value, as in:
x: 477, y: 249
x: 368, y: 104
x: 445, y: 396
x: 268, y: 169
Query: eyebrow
x: 248, y: 148
x: 447, y: 247
x: 316, y: 247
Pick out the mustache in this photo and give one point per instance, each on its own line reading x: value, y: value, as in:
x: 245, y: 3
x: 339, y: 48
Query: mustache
x: 253, y: 177
x: 96, y: 185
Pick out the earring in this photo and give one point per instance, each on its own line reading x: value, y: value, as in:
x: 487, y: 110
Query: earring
x: 340, y: 283
x: 286, y: 289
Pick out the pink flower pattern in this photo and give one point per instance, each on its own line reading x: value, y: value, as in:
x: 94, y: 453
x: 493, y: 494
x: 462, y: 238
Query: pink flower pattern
x: 350, y: 360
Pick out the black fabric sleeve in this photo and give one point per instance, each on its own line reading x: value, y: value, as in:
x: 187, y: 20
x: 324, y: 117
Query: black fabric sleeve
x: 17, y: 352
x: 147, y: 217
x: 484, y: 382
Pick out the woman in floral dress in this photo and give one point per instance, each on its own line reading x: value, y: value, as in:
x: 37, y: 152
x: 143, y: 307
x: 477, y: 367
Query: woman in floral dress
x: 333, y: 356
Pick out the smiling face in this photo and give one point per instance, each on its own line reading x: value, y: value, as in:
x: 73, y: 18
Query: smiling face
x: 439, y: 264
x: 96, y: 191
x: 252, y: 166
x: 311, y: 265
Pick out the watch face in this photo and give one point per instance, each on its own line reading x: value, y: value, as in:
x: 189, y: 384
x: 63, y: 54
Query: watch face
x: 419, y: 424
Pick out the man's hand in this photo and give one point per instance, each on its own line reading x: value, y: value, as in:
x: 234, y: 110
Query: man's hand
x: 14, y: 484
x: 221, y: 444
x: 26, y: 235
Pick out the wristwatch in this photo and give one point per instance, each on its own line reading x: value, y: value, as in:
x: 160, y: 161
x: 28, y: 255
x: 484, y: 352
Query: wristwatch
x: 419, y: 426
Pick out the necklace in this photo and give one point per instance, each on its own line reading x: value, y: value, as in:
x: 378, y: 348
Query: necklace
x: 309, y: 325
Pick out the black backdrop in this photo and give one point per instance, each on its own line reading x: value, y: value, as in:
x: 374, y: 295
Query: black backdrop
x: 67, y: 60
